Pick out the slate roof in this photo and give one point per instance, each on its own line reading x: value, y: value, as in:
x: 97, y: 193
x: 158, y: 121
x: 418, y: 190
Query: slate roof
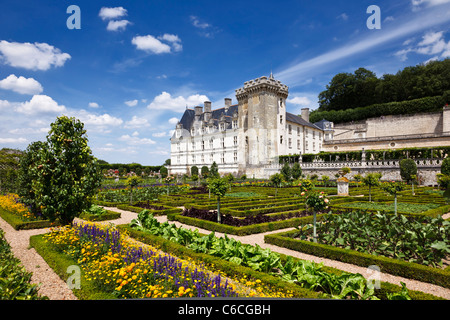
x: 299, y: 120
x: 188, y: 117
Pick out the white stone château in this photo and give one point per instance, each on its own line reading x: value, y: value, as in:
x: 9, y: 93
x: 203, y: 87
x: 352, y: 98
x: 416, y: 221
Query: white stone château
x: 247, y: 137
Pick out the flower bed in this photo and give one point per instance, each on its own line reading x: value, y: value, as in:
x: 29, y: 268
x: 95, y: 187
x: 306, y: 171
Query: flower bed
x: 117, y: 266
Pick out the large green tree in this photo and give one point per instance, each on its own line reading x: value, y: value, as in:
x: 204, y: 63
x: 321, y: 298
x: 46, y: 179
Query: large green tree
x: 65, y: 173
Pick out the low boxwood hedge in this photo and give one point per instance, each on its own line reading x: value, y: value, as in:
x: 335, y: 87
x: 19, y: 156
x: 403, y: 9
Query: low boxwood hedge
x: 108, y: 215
x: 388, y: 265
x: 19, y: 224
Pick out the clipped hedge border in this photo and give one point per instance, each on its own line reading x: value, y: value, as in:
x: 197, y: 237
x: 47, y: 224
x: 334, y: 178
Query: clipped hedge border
x: 230, y: 269
x: 168, y: 210
x: 388, y: 265
x: 59, y: 262
x: 108, y: 215
x: 242, y: 231
x: 19, y: 224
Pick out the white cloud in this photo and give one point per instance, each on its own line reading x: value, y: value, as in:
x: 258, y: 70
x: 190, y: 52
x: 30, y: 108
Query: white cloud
x: 13, y: 140
x: 165, y: 101
x: 112, y: 13
x: 131, y: 103
x: 104, y: 120
x: 154, y: 45
x: 196, y: 23
x: 136, y: 122
x: 93, y: 105
x: 4, y: 104
x: 159, y: 134
x: 303, y: 101
x: 21, y: 85
x: 117, y: 25
x: 134, y: 140
x: 173, y: 120
x: 433, y: 43
x: 37, y: 56
x: 343, y: 16
x: 417, y: 4
x: 40, y: 104
x: 149, y: 43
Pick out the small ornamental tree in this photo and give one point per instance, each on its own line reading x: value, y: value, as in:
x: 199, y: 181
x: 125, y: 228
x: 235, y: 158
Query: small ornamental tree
x: 218, y: 187
x: 445, y: 166
x: 325, y: 180
x: 393, y: 188
x: 132, y: 182
x: 65, y: 173
x: 164, y: 172
x: 194, y: 171
x: 286, y: 171
x: 214, y: 170
x: 408, y: 171
x: 276, y: 180
x: 205, y: 172
x: 317, y: 202
x: 371, y: 180
x: 296, y: 171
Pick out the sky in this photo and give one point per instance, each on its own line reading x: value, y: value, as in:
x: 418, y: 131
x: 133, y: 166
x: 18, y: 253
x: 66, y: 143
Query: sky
x: 129, y: 69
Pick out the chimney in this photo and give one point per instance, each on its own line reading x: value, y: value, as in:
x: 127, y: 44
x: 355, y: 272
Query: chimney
x: 227, y: 103
x: 305, y: 114
x: 208, y: 112
x: 198, y: 112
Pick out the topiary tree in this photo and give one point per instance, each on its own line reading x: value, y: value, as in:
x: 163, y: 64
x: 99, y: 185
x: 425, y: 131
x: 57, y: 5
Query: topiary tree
x: 325, y: 180
x: 371, y: 180
x: 408, y: 171
x: 205, y: 172
x: 163, y: 172
x: 194, y: 171
x: 132, y: 182
x: 65, y: 173
x: 214, y: 170
x: 286, y: 172
x: 296, y: 171
x: 445, y: 166
x: 393, y: 188
x: 218, y: 187
x: 276, y: 180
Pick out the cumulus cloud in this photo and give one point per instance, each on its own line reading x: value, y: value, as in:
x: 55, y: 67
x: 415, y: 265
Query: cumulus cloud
x: 32, y: 56
x: 21, y: 85
x: 154, y: 45
x: 131, y: 103
x: 104, y: 120
x: 112, y: 13
x: 173, y: 120
x: 117, y: 25
x: 136, y: 122
x: 13, y: 140
x: 134, y: 140
x: 302, y: 101
x: 418, y: 4
x: 93, y: 105
x: 165, y: 101
x: 40, y: 104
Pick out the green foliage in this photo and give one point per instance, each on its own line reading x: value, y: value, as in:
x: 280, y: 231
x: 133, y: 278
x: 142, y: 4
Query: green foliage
x: 194, y: 171
x: 296, y: 171
x: 371, y: 180
x: 15, y: 281
x: 408, y: 169
x: 443, y: 180
x: 362, y: 88
x: 64, y: 172
x: 393, y: 187
x: 214, y: 170
x: 286, y: 171
x: 205, y: 172
x: 218, y: 187
x: 9, y: 164
x: 276, y: 180
x: 163, y: 172
x: 445, y: 166
x: 425, y: 241
x: 317, y: 201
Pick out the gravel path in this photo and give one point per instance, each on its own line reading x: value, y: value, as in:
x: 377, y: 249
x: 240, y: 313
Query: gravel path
x: 56, y: 289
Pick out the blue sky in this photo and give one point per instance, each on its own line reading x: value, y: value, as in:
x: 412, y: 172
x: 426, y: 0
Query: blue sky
x: 134, y: 66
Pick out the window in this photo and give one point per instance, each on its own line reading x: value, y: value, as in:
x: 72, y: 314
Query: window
x: 203, y: 145
x: 235, y: 141
x: 222, y: 140
x: 235, y: 157
x: 314, y: 146
x: 314, y: 134
x: 211, y: 157
x: 281, y: 139
x: 222, y: 127
x: 298, y: 131
x: 211, y: 144
x: 290, y: 143
x: 178, y: 159
x: 193, y: 145
x: 298, y: 144
x: 281, y: 119
x: 235, y: 124
x: 203, y: 158
x: 193, y: 158
x: 178, y: 146
x: 222, y: 158
x: 290, y: 129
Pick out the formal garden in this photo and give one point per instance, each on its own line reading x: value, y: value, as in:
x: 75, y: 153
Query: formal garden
x: 186, y: 236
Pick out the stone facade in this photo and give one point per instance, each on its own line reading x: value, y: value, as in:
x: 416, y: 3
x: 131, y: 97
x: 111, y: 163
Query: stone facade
x: 243, y: 138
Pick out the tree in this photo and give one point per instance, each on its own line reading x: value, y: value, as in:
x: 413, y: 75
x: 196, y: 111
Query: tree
x: 194, y: 171
x: 205, y: 172
x: 65, y: 174
x: 393, y: 188
x: 286, y: 172
x: 164, y: 172
x: 218, y: 187
x: 214, y: 170
x: 317, y: 202
x: 276, y: 180
x: 445, y: 166
x: 371, y: 180
x: 132, y: 182
x: 325, y: 180
x: 296, y: 171
x: 408, y: 171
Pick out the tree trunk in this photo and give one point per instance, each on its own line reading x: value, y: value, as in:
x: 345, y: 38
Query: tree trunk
x: 218, y: 210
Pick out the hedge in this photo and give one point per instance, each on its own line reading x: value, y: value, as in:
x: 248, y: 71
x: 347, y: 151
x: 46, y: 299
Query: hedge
x: 167, y: 210
x: 19, y: 224
x: 388, y: 265
x: 108, y: 215
x: 422, y: 105
x: 245, y: 230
